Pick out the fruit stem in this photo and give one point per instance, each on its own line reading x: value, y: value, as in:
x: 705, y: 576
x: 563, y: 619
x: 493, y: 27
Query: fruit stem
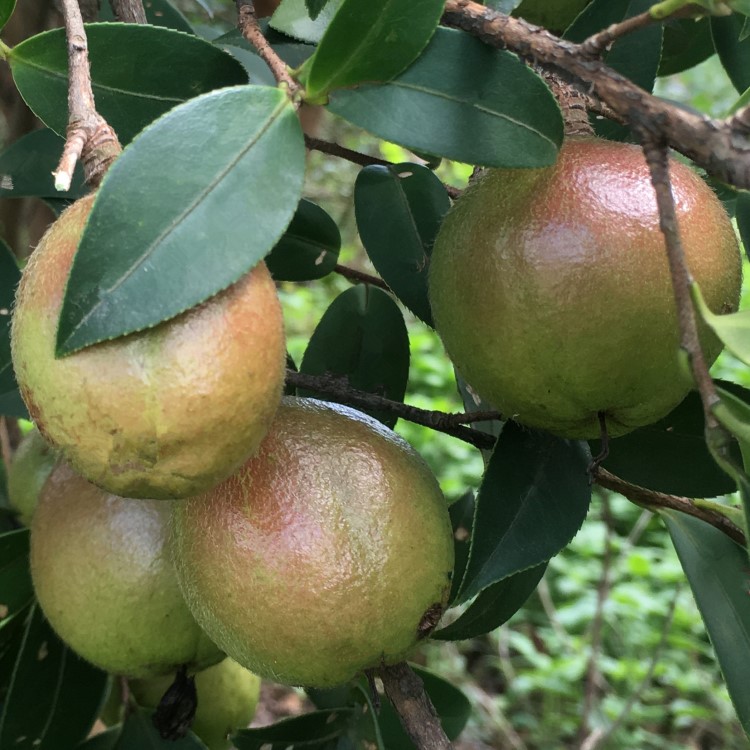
x: 414, y: 707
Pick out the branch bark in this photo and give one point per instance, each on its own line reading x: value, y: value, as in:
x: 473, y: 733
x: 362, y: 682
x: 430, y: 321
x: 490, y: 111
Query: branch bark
x: 721, y: 147
x: 128, y: 11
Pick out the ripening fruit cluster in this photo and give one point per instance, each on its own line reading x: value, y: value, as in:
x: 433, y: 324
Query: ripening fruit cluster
x: 182, y: 511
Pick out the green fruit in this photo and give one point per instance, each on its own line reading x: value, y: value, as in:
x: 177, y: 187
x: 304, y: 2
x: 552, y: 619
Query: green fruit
x: 162, y: 413
x: 106, y: 583
x: 227, y: 697
x: 551, y: 290
x: 32, y: 464
x: 328, y: 553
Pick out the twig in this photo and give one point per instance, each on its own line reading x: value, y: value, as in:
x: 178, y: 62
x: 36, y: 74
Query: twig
x: 88, y: 136
x: 339, y: 388
x: 597, y: 625
x: 650, y: 499
x: 719, y: 146
x: 247, y: 22
x: 360, y: 277
x: 413, y: 706
x: 128, y: 11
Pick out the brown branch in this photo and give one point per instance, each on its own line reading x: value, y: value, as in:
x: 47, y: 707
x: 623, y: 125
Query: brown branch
x: 360, y: 277
x: 128, y: 11
x: 719, y: 146
x: 338, y: 388
x: 653, y: 500
x: 413, y: 706
x: 247, y: 23
x: 89, y: 10
x: 89, y: 137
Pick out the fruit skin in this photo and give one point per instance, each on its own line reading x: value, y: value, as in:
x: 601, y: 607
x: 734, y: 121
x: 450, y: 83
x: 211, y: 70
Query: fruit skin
x: 32, y: 463
x: 551, y: 291
x: 227, y: 698
x: 105, y: 581
x: 323, y: 555
x: 162, y: 413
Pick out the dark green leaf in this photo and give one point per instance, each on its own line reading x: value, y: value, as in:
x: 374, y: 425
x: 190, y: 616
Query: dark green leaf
x: 671, y: 455
x: 309, y: 249
x: 534, y: 497
x: 104, y: 741
x: 362, y: 337
x: 158, y: 13
x: 494, y: 606
x: 368, y: 41
x: 292, y: 52
x: 314, y: 7
x: 26, y: 168
x: 127, y: 69
x: 687, y: 42
x: 717, y: 568
x: 9, y: 278
x: 398, y: 211
x: 6, y: 11
x: 227, y: 206
x: 291, y: 18
x: 11, y: 638
x: 505, y: 117
x: 54, y: 696
x: 742, y: 214
x: 301, y: 731
x: 733, y: 53
x: 462, y: 517
x: 12, y: 405
x: 555, y: 15
x: 16, y: 590
x: 473, y: 403
x: 139, y: 733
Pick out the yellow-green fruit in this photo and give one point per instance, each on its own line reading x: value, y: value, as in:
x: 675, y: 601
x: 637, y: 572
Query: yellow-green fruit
x: 328, y: 553
x: 551, y: 290
x: 105, y: 581
x: 162, y: 413
x: 227, y: 697
x: 32, y: 464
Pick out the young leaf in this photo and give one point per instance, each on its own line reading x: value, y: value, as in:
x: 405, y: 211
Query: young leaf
x: 16, y: 591
x: 362, y: 337
x: 398, y: 211
x: 534, y: 497
x: 309, y: 249
x: 505, y: 117
x: 10, y: 275
x: 158, y: 13
x: 734, y: 52
x: 226, y: 207
x: 292, y: 18
x: 732, y: 329
x: 494, y: 606
x: 717, y: 568
x: 54, y: 696
x: 127, y: 64
x: 138, y: 732
x: 308, y: 730
x: 368, y: 41
x: 671, y: 455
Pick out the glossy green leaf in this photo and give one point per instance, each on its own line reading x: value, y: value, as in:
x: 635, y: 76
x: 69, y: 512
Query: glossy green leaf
x: 6, y: 11
x: 368, y: 41
x: 291, y: 51
x: 309, y: 249
x: 398, y: 211
x: 361, y: 337
x: 742, y: 214
x: 104, y: 741
x: 16, y: 590
x: 534, y: 497
x: 494, y: 606
x: 687, y: 42
x: 671, y: 455
x: 54, y: 696
x: 505, y: 117
x: 225, y: 208
x: 9, y: 278
x: 717, y: 568
x: 127, y: 70
x: 733, y: 53
x: 301, y: 731
x: 732, y: 329
x: 26, y: 168
x: 138, y: 733
x: 292, y: 18
x: 158, y: 13
x: 554, y: 15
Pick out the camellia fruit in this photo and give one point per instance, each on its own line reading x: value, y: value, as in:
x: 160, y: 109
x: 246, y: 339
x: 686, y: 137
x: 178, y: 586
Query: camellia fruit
x: 551, y: 291
x: 32, y: 464
x: 105, y: 581
x: 162, y: 413
x: 328, y: 553
x: 227, y: 698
